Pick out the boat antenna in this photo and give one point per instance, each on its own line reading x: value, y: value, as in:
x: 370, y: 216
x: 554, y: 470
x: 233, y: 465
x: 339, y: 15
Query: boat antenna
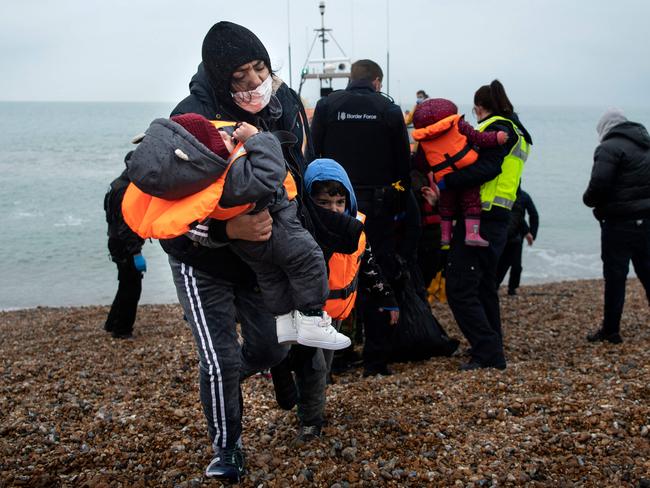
x: 330, y: 68
x: 387, y: 51
x: 289, y: 41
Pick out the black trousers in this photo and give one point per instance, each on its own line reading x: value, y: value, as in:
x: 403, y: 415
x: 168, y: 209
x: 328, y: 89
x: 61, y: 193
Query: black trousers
x: 510, y: 259
x: 377, y: 331
x: 429, y: 253
x: 472, y: 291
x: 125, y: 305
x: 622, y: 242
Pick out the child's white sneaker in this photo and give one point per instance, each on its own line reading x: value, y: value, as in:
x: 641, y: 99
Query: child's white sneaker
x: 318, y: 332
x: 285, y: 327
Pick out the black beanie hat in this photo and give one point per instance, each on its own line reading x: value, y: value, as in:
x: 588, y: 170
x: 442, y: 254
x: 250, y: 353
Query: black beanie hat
x: 226, y: 47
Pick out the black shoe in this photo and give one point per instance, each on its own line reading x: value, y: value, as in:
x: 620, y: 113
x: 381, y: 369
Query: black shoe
x: 602, y: 336
x: 512, y: 291
x: 472, y: 365
x: 381, y: 370
x: 122, y: 335
x: 227, y: 465
x: 284, y: 385
x: 108, y: 326
x: 307, y: 433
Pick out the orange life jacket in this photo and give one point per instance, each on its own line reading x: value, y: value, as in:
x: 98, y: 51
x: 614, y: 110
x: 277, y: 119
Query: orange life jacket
x: 445, y: 148
x: 343, y: 279
x: 155, y: 217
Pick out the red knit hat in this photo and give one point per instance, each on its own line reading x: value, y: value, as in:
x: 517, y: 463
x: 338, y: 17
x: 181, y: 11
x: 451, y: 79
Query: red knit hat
x: 433, y: 110
x: 204, y: 131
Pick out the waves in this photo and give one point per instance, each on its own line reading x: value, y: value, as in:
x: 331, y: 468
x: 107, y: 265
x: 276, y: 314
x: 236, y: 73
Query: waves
x: 544, y: 265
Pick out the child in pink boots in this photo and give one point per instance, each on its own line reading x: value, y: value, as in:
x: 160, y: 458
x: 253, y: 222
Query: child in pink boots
x: 449, y: 144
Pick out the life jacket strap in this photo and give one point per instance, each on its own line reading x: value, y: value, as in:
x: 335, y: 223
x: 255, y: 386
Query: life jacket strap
x: 343, y: 293
x: 450, y: 161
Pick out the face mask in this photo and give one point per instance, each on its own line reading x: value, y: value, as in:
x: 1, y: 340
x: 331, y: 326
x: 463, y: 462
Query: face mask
x: 255, y: 100
x: 419, y: 100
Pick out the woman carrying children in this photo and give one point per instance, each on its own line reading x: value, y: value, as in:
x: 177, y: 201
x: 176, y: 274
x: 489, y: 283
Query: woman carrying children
x: 471, y: 270
x: 215, y: 287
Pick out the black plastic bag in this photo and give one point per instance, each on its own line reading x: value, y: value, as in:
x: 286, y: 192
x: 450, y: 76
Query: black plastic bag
x: 418, y: 335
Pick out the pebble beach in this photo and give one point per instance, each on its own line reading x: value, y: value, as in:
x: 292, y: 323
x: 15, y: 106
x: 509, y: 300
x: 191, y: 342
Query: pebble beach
x: 78, y: 408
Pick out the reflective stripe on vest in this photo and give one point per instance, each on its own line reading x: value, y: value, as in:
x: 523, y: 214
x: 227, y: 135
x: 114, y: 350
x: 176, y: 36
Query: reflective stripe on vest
x: 343, y: 279
x: 502, y: 190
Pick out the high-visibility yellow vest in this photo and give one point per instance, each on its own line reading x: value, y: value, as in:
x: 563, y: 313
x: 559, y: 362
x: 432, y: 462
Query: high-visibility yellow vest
x: 502, y: 190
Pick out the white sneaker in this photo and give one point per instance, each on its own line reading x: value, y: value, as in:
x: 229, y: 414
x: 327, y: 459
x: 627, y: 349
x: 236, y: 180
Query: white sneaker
x: 319, y: 332
x: 285, y: 327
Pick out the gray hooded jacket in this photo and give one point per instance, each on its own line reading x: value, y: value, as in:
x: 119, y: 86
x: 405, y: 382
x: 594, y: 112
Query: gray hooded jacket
x: 171, y: 163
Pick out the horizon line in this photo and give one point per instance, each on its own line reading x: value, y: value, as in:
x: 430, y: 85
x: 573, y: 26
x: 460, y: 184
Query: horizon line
x: 555, y: 105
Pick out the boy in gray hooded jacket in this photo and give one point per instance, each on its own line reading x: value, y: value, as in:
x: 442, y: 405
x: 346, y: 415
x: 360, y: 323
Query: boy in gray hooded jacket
x: 185, y: 155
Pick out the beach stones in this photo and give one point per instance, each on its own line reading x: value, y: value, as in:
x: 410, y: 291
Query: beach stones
x: 80, y: 409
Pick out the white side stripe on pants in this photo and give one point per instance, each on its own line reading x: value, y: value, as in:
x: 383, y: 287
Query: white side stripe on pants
x: 211, y: 355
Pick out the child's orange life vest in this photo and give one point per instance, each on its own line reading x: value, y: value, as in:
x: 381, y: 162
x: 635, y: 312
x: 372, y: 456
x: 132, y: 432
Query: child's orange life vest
x: 445, y: 148
x: 343, y: 279
x: 155, y: 217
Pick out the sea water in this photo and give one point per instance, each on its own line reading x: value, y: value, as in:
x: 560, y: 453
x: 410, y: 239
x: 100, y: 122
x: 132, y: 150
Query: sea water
x: 57, y: 159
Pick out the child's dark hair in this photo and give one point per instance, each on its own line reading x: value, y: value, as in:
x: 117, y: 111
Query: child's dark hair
x: 331, y: 187
x: 493, y: 98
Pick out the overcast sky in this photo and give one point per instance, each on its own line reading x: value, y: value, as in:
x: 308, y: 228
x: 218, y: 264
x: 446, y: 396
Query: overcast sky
x: 546, y: 52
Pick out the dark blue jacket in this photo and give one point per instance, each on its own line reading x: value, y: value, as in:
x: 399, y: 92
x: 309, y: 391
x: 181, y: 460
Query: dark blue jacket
x: 518, y: 227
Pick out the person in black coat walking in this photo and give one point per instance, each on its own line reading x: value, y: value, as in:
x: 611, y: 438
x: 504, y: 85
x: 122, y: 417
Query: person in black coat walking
x: 125, y: 248
x: 619, y: 192
x: 518, y: 230
x: 215, y: 287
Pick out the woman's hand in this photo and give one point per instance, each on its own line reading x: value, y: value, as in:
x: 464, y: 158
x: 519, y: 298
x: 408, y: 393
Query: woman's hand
x: 247, y: 227
x: 244, y: 132
x: 429, y: 195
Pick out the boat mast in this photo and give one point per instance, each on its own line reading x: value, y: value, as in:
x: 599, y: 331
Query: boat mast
x: 324, y: 69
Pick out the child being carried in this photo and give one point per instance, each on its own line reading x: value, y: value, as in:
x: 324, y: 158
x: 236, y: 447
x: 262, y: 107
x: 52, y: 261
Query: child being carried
x: 450, y: 144
x: 290, y: 267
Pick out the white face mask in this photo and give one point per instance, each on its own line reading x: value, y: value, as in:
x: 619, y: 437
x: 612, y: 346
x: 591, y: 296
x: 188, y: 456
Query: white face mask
x: 255, y: 100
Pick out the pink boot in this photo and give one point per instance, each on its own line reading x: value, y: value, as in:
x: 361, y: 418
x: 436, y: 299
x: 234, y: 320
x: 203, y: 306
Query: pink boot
x: 445, y: 232
x: 472, y: 236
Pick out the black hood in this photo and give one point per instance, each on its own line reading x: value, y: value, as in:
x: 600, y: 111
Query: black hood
x: 515, y: 118
x: 633, y: 131
x: 227, y: 46
x: 201, y: 89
